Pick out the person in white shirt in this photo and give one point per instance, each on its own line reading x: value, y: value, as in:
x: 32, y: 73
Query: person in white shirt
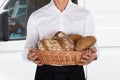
x: 59, y: 15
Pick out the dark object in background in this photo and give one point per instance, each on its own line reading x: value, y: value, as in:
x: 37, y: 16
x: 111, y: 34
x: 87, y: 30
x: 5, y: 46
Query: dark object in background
x: 1, y: 33
x: 14, y: 25
x: 33, y: 5
x: 75, y: 1
x: 4, y: 32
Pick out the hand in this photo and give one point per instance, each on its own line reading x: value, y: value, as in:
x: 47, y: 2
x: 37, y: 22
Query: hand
x: 34, y: 57
x: 89, y: 56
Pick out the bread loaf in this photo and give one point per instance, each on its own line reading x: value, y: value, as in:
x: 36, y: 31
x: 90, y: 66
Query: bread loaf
x: 61, y: 42
x: 60, y: 34
x: 56, y: 44
x: 85, y: 42
x: 75, y: 37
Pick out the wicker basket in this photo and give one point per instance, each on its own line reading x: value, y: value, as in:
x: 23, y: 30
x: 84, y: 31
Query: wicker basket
x: 59, y: 57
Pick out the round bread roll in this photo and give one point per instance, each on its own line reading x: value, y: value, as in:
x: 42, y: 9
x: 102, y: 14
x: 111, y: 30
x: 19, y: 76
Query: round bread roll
x: 85, y: 43
x: 56, y: 44
x: 60, y: 34
x: 75, y: 37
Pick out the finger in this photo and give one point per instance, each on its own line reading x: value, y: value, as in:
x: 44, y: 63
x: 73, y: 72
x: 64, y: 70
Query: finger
x: 87, y: 50
x: 87, y: 54
x: 86, y: 57
x: 31, y: 55
x: 37, y: 62
x: 35, y: 58
x: 94, y: 49
x: 40, y: 64
x: 94, y: 56
x: 31, y: 49
x: 83, y: 61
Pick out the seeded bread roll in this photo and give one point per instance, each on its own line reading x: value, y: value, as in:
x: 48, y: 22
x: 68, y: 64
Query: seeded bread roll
x: 85, y: 43
x: 56, y: 44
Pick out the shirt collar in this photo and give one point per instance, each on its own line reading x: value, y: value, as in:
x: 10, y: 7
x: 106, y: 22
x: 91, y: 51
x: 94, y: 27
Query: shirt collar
x: 52, y: 6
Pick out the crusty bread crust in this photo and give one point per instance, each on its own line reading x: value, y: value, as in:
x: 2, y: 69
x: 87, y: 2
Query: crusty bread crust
x: 85, y: 43
x: 56, y: 44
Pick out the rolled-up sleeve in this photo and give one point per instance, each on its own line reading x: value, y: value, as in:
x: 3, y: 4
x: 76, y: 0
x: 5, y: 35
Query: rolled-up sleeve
x: 32, y: 36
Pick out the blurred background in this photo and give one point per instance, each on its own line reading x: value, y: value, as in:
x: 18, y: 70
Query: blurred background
x: 13, y: 19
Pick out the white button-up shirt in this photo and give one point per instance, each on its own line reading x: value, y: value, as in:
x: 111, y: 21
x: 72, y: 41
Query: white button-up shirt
x: 48, y: 20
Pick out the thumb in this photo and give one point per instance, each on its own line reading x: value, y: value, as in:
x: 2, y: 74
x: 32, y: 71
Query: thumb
x: 94, y: 49
x: 31, y: 49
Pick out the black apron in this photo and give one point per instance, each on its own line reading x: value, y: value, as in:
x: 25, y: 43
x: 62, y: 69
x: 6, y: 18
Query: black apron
x: 47, y: 72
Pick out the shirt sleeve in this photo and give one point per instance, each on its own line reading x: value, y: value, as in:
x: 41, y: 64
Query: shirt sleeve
x: 90, y: 30
x: 89, y: 26
x: 32, y: 36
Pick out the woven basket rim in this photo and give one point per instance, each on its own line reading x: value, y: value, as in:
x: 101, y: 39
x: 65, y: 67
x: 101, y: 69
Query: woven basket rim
x: 59, y: 57
x: 59, y: 51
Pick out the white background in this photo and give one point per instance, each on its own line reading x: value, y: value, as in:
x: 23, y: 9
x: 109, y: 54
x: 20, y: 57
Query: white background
x: 106, y: 14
